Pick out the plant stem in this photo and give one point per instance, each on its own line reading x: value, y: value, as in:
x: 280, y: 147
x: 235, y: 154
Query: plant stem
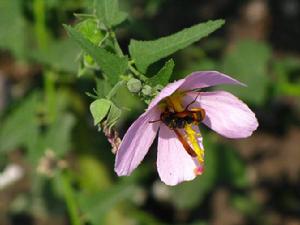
x: 116, y: 43
x: 136, y: 73
x: 70, y: 199
x: 114, y: 90
x: 40, y: 21
x: 50, y: 94
x: 103, y: 39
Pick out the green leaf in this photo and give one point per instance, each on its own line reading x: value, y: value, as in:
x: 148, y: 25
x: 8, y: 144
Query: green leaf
x: 93, y: 175
x: 245, y: 204
x: 113, y: 115
x: 145, y: 53
x: 90, y: 30
x: 58, y: 137
x: 12, y: 27
x: 164, y: 75
x: 21, y: 126
x: 284, y: 70
x: 112, y: 65
x: 52, y: 53
x: 100, y: 109
x: 108, y: 12
x: 96, y: 206
x: 102, y: 88
x: 232, y: 168
x: 248, y: 62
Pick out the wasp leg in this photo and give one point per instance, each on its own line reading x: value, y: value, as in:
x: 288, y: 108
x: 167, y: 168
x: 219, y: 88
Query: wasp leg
x: 154, y: 121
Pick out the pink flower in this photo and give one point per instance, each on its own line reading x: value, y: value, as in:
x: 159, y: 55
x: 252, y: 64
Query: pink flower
x: 224, y: 113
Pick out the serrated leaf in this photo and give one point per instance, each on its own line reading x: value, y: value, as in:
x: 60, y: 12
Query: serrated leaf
x: 112, y: 65
x: 108, y: 12
x: 145, y: 53
x: 99, y: 109
x: 164, y: 75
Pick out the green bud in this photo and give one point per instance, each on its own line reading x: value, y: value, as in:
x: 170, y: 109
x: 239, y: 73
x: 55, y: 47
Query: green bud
x: 159, y: 87
x: 147, y: 90
x: 90, y: 30
x: 134, y: 85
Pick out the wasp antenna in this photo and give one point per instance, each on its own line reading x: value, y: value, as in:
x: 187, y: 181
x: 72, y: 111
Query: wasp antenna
x: 192, y: 102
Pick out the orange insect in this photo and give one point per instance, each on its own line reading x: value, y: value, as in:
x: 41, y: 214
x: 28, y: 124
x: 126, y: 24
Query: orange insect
x: 178, y: 120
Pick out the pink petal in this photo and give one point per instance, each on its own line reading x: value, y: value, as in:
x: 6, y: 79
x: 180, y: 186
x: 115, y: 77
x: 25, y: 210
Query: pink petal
x: 203, y: 79
x: 174, y: 164
x: 136, y: 142
x: 195, y: 80
x: 226, y: 114
x: 165, y: 92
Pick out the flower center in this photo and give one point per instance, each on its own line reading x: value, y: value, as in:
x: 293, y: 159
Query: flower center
x: 175, y: 102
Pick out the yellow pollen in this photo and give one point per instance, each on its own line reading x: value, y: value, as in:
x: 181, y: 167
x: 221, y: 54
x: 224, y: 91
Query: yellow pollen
x: 192, y: 137
x: 174, y: 101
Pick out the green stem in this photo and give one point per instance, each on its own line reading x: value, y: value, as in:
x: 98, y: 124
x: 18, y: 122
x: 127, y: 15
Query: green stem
x: 136, y: 73
x: 50, y: 94
x: 114, y: 90
x: 116, y: 44
x: 103, y: 39
x: 70, y: 199
x: 40, y: 23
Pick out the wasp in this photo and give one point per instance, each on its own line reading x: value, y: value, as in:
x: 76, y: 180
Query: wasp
x: 178, y: 120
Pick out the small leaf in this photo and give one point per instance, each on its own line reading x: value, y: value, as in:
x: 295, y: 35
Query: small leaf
x: 164, y: 75
x: 90, y: 30
x: 112, y: 65
x: 108, y: 12
x: 145, y: 53
x: 113, y: 115
x: 99, y: 109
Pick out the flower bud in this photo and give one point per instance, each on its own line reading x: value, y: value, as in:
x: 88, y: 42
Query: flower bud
x: 134, y: 85
x: 147, y: 90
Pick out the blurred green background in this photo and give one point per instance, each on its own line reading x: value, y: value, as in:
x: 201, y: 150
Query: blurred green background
x: 55, y: 165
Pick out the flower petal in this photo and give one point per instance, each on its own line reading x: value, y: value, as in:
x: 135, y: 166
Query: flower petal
x: 226, y: 114
x: 203, y: 79
x: 136, y: 142
x: 174, y: 164
x: 165, y: 92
